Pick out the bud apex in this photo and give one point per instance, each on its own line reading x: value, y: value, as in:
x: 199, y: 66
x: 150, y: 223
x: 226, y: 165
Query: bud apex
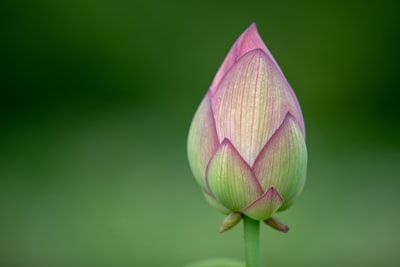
x: 277, y: 225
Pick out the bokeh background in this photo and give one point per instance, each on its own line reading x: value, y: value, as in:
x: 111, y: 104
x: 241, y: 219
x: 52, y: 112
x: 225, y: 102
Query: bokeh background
x: 96, y: 102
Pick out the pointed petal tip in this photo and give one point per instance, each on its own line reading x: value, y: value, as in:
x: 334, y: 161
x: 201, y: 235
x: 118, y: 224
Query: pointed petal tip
x: 295, y: 118
x: 247, y: 41
x: 274, y: 193
x: 226, y: 142
x: 277, y: 225
x: 230, y: 221
x: 265, y: 206
x: 252, y: 29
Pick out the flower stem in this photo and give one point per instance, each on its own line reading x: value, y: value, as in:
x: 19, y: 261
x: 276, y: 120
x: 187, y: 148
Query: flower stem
x: 252, y: 242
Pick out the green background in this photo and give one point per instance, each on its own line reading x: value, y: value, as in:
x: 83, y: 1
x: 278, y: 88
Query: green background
x: 96, y: 101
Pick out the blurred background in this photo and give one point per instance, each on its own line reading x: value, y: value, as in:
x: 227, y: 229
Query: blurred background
x: 96, y: 101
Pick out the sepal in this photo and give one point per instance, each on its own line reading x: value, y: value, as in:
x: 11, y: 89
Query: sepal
x: 277, y: 225
x: 230, y: 221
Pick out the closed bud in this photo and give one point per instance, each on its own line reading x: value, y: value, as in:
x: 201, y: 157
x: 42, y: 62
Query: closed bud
x: 246, y: 143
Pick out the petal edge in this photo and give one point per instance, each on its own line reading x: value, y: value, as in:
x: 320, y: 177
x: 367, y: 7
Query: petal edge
x: 231, y: 180
x: 202, y: 140
x: 282, y: 162
x: 265, y: 206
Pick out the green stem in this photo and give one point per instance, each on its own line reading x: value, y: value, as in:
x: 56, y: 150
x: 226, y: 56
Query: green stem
x: 252, y: 242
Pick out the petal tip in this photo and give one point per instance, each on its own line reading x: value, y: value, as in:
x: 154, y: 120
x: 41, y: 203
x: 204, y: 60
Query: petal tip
x: 247, y: 41
x: 230, y: 221
x: 277, y: 225
x: 265, y: 206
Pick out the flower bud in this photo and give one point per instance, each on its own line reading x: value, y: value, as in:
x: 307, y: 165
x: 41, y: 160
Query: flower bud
x: 246, y: 143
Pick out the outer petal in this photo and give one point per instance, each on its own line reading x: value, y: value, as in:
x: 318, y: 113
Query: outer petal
x: 215, y: 203
x: 282, y: 162
x: 265, y: 206
x: 249, y: 40
x: 251, y: 103
x: 202, y: 141
x: 231, y: 180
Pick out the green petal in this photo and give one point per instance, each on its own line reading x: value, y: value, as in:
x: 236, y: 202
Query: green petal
x: 282, y: 162
x: 231, y: 180
x: 202, y: 141
x: 215, y: 203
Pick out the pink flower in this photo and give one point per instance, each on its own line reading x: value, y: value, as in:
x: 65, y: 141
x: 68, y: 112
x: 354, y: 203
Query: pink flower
x: 246, y: 143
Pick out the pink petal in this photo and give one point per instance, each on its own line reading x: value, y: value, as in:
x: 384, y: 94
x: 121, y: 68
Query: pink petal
x: 231, y: 180
x: 265, y: 206
x: 202, y: 140
x: 282, y: 162
x: 251, y: 103
x: 248, y: 40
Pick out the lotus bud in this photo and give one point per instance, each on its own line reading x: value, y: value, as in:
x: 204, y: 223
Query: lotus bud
x: 246, y: 143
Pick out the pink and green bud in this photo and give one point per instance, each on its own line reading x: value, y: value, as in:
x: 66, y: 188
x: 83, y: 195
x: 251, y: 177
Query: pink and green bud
x: 246, y: 143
